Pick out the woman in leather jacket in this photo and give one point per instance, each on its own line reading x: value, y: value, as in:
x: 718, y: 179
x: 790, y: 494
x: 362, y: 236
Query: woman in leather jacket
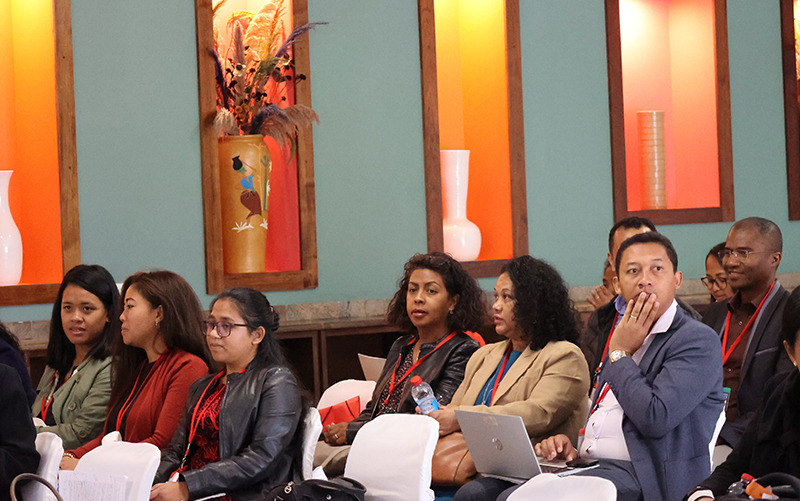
x: 240, y: 429
x: 437, y: 302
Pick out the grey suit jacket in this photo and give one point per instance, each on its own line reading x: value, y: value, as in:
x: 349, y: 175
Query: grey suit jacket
x: 671, y: 401
x: 764, y: 357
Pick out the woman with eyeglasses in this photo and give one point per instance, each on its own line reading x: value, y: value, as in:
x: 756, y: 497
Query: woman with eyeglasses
x: 240, y: 432
x: 160, y: 353
x: 716, y: 279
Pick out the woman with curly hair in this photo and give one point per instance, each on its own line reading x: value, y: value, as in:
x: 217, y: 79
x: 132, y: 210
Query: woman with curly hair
x: 539, y: 373
x: 436, y: 303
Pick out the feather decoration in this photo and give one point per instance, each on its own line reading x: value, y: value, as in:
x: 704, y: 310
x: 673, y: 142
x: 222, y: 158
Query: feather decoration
x: 282, y: 128
x: 293, y: 36
x: 220, y: 76
x: 243, y: 16
x: 264, y: 113
x: 237, y: 43
x: 225, y: 123
x: 218, y: 6
x: 258, y: 32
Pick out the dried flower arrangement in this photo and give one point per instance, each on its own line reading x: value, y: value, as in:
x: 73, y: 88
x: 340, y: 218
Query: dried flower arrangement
x: 252, y: 72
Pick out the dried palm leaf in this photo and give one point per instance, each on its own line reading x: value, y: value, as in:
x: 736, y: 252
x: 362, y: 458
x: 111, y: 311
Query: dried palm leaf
x: 243, y: 16
x: 218, y: 6
x: 261, y: 30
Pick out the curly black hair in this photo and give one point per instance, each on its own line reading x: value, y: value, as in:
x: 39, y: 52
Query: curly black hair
x: 471, y: 310
x: 543, y: 310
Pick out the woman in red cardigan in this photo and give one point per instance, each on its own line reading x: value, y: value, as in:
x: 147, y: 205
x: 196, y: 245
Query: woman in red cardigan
x: 161, y: 352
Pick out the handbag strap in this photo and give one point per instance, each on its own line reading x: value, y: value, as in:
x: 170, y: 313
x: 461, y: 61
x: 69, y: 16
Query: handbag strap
x: 779, y: 481
x: 36, y: 478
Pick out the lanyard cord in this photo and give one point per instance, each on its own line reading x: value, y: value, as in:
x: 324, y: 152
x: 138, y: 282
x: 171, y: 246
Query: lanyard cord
x: 392, y: 384
x: 726, y: 355
x: 136, y: 391
x: 605, y: 350
x: 596, y: 405
x: 500, y: 374
x: 48, y: 400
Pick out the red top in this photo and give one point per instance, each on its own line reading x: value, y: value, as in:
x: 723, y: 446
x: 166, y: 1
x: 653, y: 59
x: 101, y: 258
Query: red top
x: 154, y: 416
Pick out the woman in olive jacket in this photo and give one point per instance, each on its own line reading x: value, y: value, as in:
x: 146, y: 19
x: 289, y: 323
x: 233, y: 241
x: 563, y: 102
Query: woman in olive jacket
x: 240, y: 432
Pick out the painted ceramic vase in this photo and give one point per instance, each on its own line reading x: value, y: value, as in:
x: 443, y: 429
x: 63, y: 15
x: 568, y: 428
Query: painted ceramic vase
x: 10, y: 239
x: 462, y: 237
x: 244, y: 172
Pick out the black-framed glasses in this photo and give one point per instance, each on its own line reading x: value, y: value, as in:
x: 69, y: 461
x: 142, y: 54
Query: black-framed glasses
x: 711, y: 281
x: 223, y: 328
x: 738, y: 253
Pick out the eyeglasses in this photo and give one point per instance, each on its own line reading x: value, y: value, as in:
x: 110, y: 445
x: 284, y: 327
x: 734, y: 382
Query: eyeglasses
x: 223, y: 328
x: 738, y: 253
x: 710, y: 282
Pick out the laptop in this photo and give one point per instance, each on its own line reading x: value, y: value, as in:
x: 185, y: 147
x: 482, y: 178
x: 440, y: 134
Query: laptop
x: 500, y: 447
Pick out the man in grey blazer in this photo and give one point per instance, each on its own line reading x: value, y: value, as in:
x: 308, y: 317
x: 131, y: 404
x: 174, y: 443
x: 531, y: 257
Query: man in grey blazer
x: 659, y: 392
x: 751, y: 318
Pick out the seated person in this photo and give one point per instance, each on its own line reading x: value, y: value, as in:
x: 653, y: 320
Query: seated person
x: 436, y: 303
x: 160, y: 353
x: 749, y: 323
x: 771, y: 442
x: 11, y: 355
x: 75, y: 387
x: 539, y: 373
x: 240, y: 429
x: 17, y: 434
x: 660, y: 388
x: 716, y: 279
x: 604, y: 293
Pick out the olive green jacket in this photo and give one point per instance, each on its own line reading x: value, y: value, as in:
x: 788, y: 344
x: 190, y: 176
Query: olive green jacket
x: 80, y: 405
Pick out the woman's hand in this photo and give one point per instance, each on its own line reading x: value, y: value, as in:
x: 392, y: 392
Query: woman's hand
x: 169, y: 491
x: 557, y: 446
x: 335, y: 434
x: 68, y: 463
x: 447, y: 420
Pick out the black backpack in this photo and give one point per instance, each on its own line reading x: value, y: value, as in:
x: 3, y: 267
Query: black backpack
x: 337, y: 489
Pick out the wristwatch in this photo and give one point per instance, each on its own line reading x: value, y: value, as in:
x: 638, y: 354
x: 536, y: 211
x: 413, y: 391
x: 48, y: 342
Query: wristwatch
x: 617, y: 354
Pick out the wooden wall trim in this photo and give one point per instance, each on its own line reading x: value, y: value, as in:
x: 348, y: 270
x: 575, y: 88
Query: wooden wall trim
x: 790, y: 104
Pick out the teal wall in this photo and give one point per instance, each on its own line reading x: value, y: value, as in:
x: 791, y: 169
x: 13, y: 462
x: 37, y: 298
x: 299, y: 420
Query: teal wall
x: 139, y: 153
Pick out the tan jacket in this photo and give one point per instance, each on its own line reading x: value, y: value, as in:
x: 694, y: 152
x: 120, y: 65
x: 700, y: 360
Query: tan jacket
x: 547, y: 388
x: 80, y: 405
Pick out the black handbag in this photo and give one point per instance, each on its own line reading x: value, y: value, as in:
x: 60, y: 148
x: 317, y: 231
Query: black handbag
x: 785, y: 486
x: 337, y: 489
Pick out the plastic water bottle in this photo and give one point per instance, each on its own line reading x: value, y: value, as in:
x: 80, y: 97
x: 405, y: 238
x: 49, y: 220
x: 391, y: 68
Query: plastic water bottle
x: 423, y: 395
x: 738, y: 488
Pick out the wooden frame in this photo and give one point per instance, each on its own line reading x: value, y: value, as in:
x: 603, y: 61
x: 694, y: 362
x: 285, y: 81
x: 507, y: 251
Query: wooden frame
x: 790, y: 102
x: 216, y: 278
x: 516, y: 133
x: 67, y: 161
x: 726, y: 210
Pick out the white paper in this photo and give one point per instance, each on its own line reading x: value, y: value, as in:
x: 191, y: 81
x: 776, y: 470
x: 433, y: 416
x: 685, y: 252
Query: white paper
x: 372, y: 366
x: 76, y: 486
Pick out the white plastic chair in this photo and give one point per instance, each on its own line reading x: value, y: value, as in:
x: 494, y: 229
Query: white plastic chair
x: 345, y: 390
x: 50, y: 448
x: 392, y: 454
x: 571, y: 488
x: 138, y: 462
x: 311, y: 432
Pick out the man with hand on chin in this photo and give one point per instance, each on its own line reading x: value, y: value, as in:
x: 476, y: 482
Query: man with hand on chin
x: 659, y: 390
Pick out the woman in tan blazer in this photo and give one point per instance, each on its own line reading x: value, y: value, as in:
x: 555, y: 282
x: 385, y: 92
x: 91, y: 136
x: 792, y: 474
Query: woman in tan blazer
x: 543, y: 376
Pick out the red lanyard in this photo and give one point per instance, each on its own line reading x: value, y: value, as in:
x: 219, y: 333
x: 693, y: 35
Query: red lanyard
x: 48, y: 401
x: 393, y: 384
x: 500, y: 374
x: 726, y: 355
x: 596, y: 405
x: 605, y: 350
x: 135, y: 391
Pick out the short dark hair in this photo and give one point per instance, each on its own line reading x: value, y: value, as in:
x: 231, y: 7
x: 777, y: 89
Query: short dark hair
x: 650, y: 237
x: 629, y: 223
x: 543, y: 310
x: 766, y: 228
x: 97, y: 281
x: 716, y: 252
x: 791, y: 318
x: 471, y: 310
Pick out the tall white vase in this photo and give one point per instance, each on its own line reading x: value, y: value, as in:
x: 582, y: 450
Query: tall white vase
x: 10, y: 240
x: 462, y: 238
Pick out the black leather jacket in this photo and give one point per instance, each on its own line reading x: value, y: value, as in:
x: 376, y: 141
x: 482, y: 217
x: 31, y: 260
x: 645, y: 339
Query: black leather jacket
x: 443, y: 370
x: 259, y: 430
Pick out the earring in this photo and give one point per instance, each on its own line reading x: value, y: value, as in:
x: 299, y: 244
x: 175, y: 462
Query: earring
x: 452, y: 310
x: 156, y: 324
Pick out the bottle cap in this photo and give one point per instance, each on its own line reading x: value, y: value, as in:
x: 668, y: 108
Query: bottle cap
x: 747, y: 477
x: 726, y: 390
x: 416, y: 380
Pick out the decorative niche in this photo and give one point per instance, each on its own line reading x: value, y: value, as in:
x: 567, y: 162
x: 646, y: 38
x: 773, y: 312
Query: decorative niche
x: 790, y: 42
x: 669, y: 100
x: 472, y: 100
x: 288, y: 217
x: 37, y: 142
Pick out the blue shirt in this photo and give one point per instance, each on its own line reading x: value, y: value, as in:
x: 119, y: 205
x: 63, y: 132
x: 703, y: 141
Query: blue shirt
x: 485, y: 396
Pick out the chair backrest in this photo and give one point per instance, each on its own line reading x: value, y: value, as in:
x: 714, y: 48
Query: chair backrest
x: 554, y: 488
x: 344, y: 390
x: 50, y: 448
x: 138, y: 462
x: 717, y: 429
x: 311, y: 431
x: 392, y: 454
